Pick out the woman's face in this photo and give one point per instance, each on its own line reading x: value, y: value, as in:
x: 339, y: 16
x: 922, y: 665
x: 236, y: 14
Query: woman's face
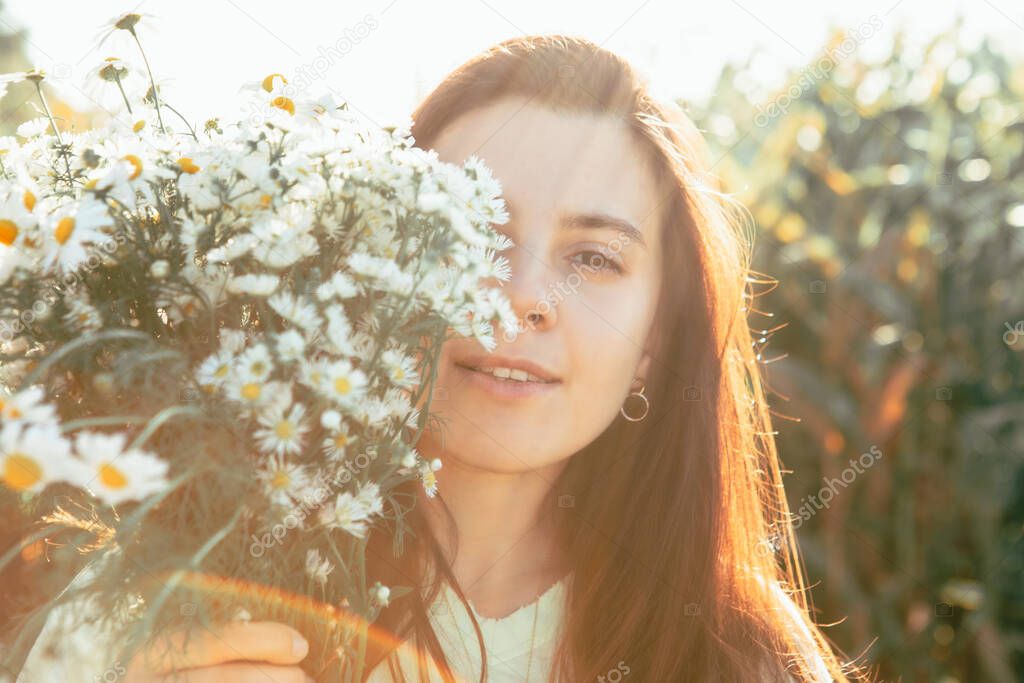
x: 583, y: 286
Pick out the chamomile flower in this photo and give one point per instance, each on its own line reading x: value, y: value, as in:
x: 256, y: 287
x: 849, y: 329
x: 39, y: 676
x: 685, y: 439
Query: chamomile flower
x: 369, y: 498
x: 318, y: 568
x: 215, y: 370
x: 283, y: 481
x: 201, y: 190
x: 26, y: 406
x: 17, y: 220
x: 339, y: 331
x: 254, y: 284
x: 115, y: 475
x: 137, y: 156
x: 231, y: 340
x: 253, y: 394
x: 295, y: 310
x: 283, y: 238
x: 283, y: 429
x: 340, y: 285
x: 337, y: 442
x: 349, y: 513
x: 401, y: 369
x: 233, y: 249
x: 343, y: 383
x: 255, y: 363
x: 70, y: 231
x: 428, y: 477
x: 279, y: 102
x: 34, y: 127
x: 32, y: 456
x: 290, y: 346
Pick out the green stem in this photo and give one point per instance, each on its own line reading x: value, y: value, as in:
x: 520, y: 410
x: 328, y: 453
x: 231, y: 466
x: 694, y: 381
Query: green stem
x: 49, y: 115
x: 106, y: 335
x: 193, y: 564
x: 152, y: 81
x: 56, y: 131
x: 117, y: 79
x: 158, y: 420
x: 191, y: 130
x: 105, y: 421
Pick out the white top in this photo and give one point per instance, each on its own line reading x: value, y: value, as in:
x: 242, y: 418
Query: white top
x: 79, y: 654
x: 520, y: 646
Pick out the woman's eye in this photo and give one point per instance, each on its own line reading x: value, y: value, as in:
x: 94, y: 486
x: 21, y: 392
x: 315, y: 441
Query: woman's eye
x: 598, y: 261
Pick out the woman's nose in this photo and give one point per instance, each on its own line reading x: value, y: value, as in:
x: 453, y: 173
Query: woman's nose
x: 529, y: 289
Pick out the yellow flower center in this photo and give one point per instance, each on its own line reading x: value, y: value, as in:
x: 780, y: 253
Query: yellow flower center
x: 265, y: 200
x: 281, y: 480
x: 340, y: 440
x: 251, y: 391
x: 342, y: 385
x: 90, y: 184
x: 21, y: 472
x: 399, y: 374
x: 282, y: 102
x: 111, y: 477
x: 8, y: 232
x: 268, y: 82
x: 64, y: 229
x: 187, y: 165
x: 29, y: 200
x: 138, y: 125
x: 127, y: 22
x: 284, y: 429
x: 136, y: 163
x: 221, y: 371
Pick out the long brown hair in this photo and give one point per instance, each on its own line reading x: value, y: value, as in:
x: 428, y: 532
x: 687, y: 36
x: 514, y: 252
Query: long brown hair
x: 679, y: 534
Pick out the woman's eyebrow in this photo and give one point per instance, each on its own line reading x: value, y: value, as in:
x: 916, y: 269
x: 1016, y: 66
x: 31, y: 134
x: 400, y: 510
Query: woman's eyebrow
x: 600, y: 221
x: 595, y: 221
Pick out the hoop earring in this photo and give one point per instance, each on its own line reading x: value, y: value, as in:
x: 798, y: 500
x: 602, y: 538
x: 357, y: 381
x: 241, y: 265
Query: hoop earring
x: 647, y: 404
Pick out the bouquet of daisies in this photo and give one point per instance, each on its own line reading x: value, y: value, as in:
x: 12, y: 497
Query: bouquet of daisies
x: 217, y: 349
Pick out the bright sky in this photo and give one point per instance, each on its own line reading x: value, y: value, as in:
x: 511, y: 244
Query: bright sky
x: 389, y: 53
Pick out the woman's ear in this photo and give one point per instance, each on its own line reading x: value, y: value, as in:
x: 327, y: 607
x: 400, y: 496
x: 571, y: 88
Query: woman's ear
x: 650, y: 350
x: 644, y: 367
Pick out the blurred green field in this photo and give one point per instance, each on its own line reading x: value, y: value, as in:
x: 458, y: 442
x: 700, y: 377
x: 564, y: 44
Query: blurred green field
x: 888, y: 200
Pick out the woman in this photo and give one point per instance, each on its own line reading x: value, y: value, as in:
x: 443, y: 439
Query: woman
x: 619, y: 513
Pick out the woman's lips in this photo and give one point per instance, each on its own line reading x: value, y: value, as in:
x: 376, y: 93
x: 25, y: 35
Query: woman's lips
x: 504, y: 388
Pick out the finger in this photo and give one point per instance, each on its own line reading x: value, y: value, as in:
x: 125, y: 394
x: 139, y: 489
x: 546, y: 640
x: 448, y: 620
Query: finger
x: 261, y: 641
x: 240, y: 673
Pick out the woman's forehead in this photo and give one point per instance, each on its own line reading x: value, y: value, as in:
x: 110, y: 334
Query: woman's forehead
x: 556, y: 161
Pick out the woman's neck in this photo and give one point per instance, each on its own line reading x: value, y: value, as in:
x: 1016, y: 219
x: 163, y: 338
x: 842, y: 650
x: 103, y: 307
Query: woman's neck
x: 507, y: 550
